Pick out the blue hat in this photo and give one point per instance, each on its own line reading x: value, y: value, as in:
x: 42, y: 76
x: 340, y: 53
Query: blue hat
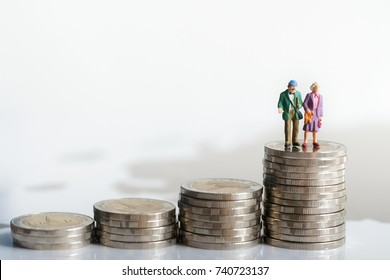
x: 293, y: 83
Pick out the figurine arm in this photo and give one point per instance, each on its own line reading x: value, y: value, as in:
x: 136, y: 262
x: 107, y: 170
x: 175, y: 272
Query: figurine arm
x: 299, y: 105
x: 280, y: 105
x: 305, y: 103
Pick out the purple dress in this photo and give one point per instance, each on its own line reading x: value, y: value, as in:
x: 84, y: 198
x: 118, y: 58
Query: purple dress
x: 317, y: 113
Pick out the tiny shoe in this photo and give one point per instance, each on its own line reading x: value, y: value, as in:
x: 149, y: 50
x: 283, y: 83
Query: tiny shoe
x: 304, y: 145
x: 296, y: 144
x: 316, y: 144
x: 287, y: 145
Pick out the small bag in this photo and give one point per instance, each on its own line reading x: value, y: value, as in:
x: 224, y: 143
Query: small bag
x: 319, y: 123
x: 308, y: 116
x: 300, y: 115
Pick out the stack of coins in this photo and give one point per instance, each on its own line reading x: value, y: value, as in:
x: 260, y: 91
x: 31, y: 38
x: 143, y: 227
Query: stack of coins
x: 220, y: 214
x: 304, y: 196
x: 135, y: 223
x: 52, y: 231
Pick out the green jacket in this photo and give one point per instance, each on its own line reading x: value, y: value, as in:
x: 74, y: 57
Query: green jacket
x: 284, y: 103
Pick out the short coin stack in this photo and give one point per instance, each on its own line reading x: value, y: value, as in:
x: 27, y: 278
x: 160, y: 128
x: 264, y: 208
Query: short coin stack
x: 52, y: 231
x: 304, y: 196
x: 135, y: 223
x: 220, y: 214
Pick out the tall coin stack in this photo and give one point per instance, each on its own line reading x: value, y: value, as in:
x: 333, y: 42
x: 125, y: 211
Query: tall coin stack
x: 220, y: 214
x: 52, y: 231
x: 135, y: 223
x: 304, y: 196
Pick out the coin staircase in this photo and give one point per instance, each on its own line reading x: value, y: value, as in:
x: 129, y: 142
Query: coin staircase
x: 301, y: 206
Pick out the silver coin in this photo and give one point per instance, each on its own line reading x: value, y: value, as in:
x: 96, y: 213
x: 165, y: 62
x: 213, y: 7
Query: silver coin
x: 300, y: 196
x: 223, y: 232
x: 52, y: 240
x: 219, y: 203
x: 98, y: 215
x: 218, y: 211
x: 302, y: 224
x: 305, y: 232
x: 132, y: 218
x: 304, y: 246
x: 303, y: 175
x: 137, y: 231
x: 327, y: 150
x: 215, y: 218
x: 139, y: 224
x: 135, y: 238
x: 217, y: 239
x: 221, y: 189
x: 218, y: 225
x: 302, y: 210
x: 134, y: 209
x: 306, y: 203
x: 52, y: 224
x: 295, y: 238
x: 301, y: 182
x: 323, y: 162
x: 303, y: 189
x: 138, y: 245
x: 221, y: 246
x: 302, y: 169
x: 304, y: 217
x: 48, y: 246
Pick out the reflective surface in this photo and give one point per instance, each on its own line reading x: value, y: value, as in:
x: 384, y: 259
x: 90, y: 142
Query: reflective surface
x: 365, y: 240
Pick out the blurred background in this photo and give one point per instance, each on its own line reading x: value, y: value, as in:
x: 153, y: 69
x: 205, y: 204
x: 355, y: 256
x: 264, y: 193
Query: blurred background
x: 107, y: 99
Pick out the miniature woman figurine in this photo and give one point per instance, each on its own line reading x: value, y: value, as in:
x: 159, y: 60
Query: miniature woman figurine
x: 313, y: 106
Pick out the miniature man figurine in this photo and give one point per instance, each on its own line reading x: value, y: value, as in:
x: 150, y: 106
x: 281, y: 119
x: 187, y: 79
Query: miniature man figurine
x: 289, y: 99
x: 313, y: 106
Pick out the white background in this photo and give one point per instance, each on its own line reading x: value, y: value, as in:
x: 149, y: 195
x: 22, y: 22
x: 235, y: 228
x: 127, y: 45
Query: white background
x: 103, y: 99
x: 277, y: 269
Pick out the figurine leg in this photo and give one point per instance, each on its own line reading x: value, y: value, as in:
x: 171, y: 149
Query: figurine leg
x: 295, y: 131
x: 287, y: 133
x: 315, y: 140
x: 306, y: 134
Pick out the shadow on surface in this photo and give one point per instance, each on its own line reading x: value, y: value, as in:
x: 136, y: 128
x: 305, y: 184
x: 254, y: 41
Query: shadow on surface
x: 46, y: 187
x: 242, y: 162
x: 83, y: 156
x: 135, y: 190
x: 6, y: 239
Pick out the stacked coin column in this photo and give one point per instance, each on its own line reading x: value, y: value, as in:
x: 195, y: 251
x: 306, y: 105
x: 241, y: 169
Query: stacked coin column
x: 135, y: 223
x: 52, y: 231
x: 220, y: 214
x: 304, y: 196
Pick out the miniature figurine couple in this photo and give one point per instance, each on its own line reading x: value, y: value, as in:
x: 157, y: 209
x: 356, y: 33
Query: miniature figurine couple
x: 290, y: 101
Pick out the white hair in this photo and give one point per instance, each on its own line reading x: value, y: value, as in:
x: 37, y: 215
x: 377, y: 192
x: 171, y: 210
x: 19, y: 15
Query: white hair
x: 313, y: 85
